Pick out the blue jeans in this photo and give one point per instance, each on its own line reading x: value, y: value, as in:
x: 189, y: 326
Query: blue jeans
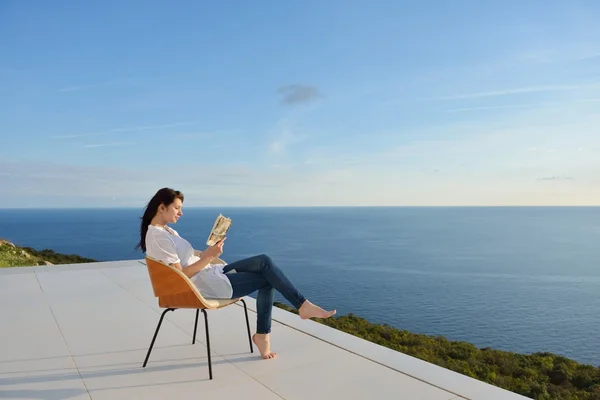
x: 260, y: 273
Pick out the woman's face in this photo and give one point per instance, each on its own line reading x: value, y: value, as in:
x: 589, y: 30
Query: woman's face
x: 173, y: 212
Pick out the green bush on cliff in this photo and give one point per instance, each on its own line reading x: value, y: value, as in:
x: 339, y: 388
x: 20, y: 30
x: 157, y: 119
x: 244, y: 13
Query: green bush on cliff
x: 541, y: 376
x: 16, y: 256
x: 58, y: 258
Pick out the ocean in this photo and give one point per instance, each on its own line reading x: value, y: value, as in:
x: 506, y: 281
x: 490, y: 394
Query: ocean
x: 521, y: 279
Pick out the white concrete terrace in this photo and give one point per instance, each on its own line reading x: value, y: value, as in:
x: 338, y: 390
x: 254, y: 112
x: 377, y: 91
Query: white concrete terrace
x: 82, y: 332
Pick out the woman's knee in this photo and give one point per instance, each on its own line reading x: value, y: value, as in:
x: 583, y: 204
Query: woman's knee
x: 266, y: 260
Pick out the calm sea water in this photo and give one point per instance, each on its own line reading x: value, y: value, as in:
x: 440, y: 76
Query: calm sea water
x: 517, y: 279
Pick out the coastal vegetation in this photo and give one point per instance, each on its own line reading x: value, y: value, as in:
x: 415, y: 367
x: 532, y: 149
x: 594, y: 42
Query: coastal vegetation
x: 16, y: 256
x: 540, y: 376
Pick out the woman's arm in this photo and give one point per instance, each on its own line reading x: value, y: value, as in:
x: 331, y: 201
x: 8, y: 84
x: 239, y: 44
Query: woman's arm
x: 194, y: 268
x: 205, y: 258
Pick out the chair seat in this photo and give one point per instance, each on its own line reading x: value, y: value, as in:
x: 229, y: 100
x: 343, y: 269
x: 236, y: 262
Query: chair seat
x: 190, y: 300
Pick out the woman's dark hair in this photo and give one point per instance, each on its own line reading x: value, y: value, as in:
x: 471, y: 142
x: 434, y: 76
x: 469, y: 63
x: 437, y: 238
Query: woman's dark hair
x: 164, y: 196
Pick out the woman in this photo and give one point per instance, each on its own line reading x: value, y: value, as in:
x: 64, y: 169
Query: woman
x: 255, y: 273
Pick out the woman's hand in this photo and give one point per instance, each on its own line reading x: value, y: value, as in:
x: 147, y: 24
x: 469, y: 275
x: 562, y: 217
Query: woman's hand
x: 215, y: 251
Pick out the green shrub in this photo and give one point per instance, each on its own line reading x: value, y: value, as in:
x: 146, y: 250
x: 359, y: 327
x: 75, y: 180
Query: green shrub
x: 15, y: 256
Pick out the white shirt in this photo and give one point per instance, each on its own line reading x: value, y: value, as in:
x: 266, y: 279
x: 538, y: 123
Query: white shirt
x: 167, y: 246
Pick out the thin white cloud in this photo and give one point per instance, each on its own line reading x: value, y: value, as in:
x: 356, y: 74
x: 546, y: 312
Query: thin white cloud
x: 589, y: 56
x: 505, y: 92
x: 589, y: 100
x: 541, y: 150
x: 277, y: 147
x: 192, y: 135
x: 523, y: 106
x: 79, y: 88
x: 113, y: 144
x: 494, y: 107
x: 285, y: 136
x: 539, y: 55
x: 557, y: 178
x: 565, y: 53
x: 201, y: 135
x: 120, y: 130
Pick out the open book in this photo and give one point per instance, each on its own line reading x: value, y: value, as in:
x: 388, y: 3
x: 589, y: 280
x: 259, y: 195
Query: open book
x: 219, y: 230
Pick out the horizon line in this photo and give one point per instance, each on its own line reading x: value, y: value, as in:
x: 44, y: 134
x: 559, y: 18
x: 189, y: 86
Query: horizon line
x: 317, y: 206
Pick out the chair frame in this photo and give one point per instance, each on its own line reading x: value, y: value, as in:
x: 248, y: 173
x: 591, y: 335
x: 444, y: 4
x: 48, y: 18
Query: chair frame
x: 175, y: 290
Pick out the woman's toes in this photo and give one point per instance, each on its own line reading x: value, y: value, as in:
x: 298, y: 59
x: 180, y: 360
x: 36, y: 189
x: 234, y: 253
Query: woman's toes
x: 264, y: 346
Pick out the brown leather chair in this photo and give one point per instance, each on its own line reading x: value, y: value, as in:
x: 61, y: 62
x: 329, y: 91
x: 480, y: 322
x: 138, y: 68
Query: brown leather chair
x: 175, y: 290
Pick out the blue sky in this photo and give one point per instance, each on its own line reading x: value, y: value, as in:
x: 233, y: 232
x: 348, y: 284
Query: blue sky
x: 299, y: 104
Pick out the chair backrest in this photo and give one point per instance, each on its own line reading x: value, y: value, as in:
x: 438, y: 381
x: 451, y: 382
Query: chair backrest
x: 167, y: 280
x: 174, y: 289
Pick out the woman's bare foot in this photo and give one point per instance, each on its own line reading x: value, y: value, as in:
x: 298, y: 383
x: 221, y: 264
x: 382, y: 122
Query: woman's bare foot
x: 262, y: 341
x: 309, y: 310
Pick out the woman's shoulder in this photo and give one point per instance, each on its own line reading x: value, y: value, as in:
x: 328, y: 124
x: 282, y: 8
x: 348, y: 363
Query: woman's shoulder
x: 156, y: 232
x: 159, y: 232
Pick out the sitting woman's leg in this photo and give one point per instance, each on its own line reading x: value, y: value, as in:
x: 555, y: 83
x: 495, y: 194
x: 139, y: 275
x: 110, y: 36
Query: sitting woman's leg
x: 265, y: 266
x: 245, y: 283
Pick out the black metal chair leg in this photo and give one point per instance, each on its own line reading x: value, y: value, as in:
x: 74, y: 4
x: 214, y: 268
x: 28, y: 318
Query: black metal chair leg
x: 248, y: 326
x: 207, y: 343
x: 195, y: 330
x: 195, y: 327
x: 156, y: 334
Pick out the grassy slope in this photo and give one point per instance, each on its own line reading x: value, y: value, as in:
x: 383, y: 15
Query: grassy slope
x: 16, y: 256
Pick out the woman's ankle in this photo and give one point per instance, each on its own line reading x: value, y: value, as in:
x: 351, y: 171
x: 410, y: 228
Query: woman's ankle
x: 303, y: 302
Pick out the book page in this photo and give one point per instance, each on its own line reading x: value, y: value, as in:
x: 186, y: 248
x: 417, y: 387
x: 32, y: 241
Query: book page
x: 219, y: 230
